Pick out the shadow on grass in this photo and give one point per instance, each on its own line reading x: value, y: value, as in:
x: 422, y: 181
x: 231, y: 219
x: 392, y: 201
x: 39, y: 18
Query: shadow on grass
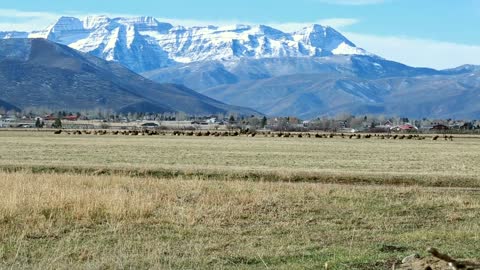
x: 264, y: 176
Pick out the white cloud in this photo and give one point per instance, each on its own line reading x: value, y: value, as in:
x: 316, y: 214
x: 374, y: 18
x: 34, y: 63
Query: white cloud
x: 352, y: 2
x: 18, y: 20
x: 337, y: 23
x: 418, y: 52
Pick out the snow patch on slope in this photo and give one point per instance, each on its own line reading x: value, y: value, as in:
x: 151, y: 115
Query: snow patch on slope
x: 346, y: 49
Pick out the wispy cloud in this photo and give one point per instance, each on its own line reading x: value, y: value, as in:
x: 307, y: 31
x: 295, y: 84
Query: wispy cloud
x: 418, y: 52
x: 338, y: 23
x: 18, y: 20
x: 352, y: 2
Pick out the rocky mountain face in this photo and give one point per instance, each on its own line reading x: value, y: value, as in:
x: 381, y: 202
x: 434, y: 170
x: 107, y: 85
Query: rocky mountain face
x: 204, y: 75
x: 144, y: 44
x: 313, y: 95
x: 41, y: 73
x: 312, y: 87
x: 308, y: 73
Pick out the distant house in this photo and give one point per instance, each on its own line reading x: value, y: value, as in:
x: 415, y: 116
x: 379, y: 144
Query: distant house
x: 294, y: 120
x: 71, y: 118
x: 50, y: 117
x: 404, y: 127
x: 347, y: 130
x: 408, y: 127
x: 388, y: 123
x: 440, y: 127
x: 150, y: 124
x: 212, y: 120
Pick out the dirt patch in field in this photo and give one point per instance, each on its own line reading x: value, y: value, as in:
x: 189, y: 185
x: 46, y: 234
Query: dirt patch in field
x: 433, y: 263
x: 424, y: 264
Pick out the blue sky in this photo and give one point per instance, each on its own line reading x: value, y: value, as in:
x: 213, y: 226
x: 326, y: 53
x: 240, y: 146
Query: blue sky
x: 434, y: 33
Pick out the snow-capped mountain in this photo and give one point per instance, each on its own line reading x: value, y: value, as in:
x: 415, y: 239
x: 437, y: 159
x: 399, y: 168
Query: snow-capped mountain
x: 144, y: 44
x: 310, y: 72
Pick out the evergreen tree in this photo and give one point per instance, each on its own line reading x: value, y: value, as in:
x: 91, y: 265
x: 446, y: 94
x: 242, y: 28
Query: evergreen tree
x: 38, y: 123
x: 231, y: 120
x: 57, y: 123
x: 264, y: 122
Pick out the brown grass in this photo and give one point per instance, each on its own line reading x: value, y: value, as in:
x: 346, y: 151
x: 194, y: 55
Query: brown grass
x: 50, y: 221
x: 108, y: 202
x: 373, y: 161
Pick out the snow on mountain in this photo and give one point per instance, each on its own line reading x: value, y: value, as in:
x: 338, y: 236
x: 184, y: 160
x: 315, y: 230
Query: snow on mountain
x: 144, y: 44
x: 15, y: 34
x: 325, y: 41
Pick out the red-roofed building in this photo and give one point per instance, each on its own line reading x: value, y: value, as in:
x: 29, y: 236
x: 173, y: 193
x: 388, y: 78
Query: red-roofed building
x: 408, y: 127
x: 71, y: 118
x: 405, y: 127
x: 50, y: 117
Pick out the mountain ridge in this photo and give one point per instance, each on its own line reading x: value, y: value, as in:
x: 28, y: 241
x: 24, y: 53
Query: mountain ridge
x: 40, y: 73
x: 310, y: 72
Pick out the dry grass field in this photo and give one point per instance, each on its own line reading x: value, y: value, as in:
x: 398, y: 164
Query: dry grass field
x: 108, y: 202
x: 427, y: 163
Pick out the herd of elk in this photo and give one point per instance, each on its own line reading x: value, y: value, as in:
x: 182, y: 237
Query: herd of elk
x: 252, y: 134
